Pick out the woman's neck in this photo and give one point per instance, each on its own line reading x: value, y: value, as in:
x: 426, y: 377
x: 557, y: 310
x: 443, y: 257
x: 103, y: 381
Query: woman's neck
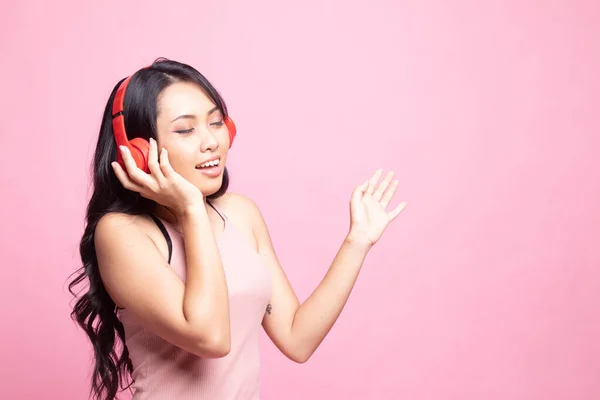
x: 167, y: 215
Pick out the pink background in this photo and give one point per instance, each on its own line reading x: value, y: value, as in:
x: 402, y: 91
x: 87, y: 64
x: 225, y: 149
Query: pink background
x: 487, y: 287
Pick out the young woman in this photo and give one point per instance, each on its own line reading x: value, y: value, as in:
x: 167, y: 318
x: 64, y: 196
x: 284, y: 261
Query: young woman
x: 180, y: 273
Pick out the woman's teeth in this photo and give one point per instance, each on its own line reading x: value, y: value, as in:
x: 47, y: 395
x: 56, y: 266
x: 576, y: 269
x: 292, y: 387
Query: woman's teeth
x: 213, y: 163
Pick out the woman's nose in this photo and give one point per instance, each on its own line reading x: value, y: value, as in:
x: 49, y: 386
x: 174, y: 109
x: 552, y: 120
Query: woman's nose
x: 208, y: 141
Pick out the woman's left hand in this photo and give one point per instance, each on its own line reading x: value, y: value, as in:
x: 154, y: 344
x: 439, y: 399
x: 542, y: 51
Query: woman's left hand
x: 368, y: 215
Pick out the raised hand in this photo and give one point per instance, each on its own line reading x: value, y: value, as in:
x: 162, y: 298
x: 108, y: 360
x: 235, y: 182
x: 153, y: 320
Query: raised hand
x: 162, y: 184
x: 368, y: 215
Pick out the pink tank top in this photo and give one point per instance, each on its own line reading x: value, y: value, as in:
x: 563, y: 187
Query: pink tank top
x: 162, y: 371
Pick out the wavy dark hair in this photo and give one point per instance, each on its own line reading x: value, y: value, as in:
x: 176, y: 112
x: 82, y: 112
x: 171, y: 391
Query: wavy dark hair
x: 94, y: 311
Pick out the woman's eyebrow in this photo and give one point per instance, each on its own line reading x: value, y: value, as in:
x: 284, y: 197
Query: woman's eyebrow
x: 186, y: 116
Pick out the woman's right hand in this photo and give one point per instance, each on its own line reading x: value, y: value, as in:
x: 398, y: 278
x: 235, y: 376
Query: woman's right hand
x: 163, y: 185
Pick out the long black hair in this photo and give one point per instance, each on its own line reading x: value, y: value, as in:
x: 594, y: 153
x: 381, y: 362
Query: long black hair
x: 94, y: 311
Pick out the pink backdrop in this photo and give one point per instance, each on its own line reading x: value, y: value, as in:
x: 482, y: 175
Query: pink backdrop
x: 487, y: 287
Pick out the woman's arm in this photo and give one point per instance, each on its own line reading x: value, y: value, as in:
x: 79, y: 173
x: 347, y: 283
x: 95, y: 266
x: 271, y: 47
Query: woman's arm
x: 298, y: 329
x: 193, y: 315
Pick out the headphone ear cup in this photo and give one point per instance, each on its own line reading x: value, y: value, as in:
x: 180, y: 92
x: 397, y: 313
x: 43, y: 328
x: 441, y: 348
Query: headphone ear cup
x: 140, y: 153
x: 231, y: 128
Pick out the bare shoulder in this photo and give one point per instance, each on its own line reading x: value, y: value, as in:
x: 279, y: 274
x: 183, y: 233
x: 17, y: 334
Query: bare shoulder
x: 237, y: 199
x: 116, y: 229
x: 238, y: 206
x: 117, y: 224
x: 114, y: 224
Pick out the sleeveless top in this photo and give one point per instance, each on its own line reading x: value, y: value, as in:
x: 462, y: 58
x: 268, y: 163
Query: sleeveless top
x: 163, y: 371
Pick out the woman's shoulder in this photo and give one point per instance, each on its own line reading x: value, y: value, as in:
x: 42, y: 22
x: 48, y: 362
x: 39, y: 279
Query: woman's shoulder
x: 236, y: 204
x: 116, y: 221
x: 115, y: 228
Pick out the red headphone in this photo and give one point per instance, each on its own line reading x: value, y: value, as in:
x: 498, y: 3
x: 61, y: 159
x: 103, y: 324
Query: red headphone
x: 139, y: 147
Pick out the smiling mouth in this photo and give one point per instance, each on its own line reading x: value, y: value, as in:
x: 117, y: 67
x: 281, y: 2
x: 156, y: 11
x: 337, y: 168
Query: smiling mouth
x: 209, y: 164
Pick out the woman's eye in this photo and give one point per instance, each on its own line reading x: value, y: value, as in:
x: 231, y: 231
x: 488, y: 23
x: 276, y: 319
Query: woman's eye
x: 183, y: 132
x: 218, y: 123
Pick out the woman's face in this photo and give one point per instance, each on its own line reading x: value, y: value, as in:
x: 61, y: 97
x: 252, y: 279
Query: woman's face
x: 192, y: 129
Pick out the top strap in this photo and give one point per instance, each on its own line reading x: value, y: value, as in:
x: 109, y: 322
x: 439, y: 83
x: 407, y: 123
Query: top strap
x: 165, y: 233
x: 223, y: 217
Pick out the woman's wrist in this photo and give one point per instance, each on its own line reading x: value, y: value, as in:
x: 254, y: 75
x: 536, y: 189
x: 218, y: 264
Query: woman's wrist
x: 192, y: 211
x: 358, y: 242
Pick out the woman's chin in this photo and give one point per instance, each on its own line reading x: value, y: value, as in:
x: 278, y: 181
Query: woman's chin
x: 210, y: 188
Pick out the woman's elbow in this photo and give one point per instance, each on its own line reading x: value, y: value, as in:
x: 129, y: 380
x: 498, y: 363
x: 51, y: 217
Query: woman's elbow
x: 221, y: 347
x: 214, y: 345
x: 299, y: 356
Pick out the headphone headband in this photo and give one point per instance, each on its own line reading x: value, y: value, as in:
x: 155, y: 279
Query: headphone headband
x: 118, y: 119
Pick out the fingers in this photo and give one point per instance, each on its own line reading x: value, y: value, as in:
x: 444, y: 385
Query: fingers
x: 359, y: 191
x: 396, y: 211
x: 165, y: 165
x: 381, y: 193
x: 153, y: 165
x: 136, y: 175
x: 363, y: 188
x: 373, y: 181
x: 383, y: 186
x: 387, y: 197
x: 124, y: 178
